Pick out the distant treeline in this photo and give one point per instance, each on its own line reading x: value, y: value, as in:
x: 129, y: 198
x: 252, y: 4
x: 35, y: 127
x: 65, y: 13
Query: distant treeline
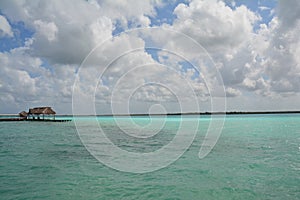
x: 201, y: 113
x: 237, y: 113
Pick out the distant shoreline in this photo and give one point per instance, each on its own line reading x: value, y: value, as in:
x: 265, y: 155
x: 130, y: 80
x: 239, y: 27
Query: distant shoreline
x: 179, y: 114
x: 203, y: 113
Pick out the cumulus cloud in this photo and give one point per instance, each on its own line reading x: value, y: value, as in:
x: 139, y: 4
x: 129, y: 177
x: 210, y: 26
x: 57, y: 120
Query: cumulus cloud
x: 231, y: 92
x: 130, y: 13
x: 281, y: 62
x: 47, y: 30
x: 65, y: 32
x: 61, y: 30
x: 26, y: 82
x: 214, y: 24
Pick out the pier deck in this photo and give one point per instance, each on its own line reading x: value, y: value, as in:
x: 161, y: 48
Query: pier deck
x: 33, y: 120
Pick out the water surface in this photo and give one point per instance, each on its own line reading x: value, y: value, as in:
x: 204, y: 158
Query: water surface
x: 256, y: 157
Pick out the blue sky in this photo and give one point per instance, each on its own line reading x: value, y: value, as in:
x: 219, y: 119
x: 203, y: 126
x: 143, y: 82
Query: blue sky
x: 21, y: 33
x: 44, y: 44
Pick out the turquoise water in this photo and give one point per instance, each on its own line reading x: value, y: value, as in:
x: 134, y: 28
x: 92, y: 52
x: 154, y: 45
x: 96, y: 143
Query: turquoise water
x: 256, y: 157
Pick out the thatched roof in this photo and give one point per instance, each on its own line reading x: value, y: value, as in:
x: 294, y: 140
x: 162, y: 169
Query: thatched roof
x: 23, y: 114
x: 41, y: 110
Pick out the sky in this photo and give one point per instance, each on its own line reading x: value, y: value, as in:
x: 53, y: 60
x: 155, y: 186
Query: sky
x: 103, y: 56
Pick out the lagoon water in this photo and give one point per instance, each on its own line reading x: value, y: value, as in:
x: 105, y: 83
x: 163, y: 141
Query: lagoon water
x: 256, y: 157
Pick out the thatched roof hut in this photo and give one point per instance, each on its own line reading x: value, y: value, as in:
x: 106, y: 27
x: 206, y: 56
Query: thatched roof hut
x: 23, y: 114
x: 41, y: 111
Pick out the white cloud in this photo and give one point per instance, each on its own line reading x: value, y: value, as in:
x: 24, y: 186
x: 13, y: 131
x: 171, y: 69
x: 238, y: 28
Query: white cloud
x: 263, y: 8
x: 5, y: 28
x: 48, y: 30
x: 26, y: 82
x: 231, y: 92
x: 64, y: 32
x: 215, y: 25
x: 281, y: 63
x: 135, y: 12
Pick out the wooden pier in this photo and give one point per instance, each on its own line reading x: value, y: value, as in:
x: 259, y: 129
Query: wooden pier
x: 33, y: 120
x: 48, y: 120
x: 38, y: 114
x: 11, y: 119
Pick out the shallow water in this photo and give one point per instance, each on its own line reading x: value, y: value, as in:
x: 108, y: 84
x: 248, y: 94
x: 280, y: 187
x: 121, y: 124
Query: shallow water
x: 256, y: 157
